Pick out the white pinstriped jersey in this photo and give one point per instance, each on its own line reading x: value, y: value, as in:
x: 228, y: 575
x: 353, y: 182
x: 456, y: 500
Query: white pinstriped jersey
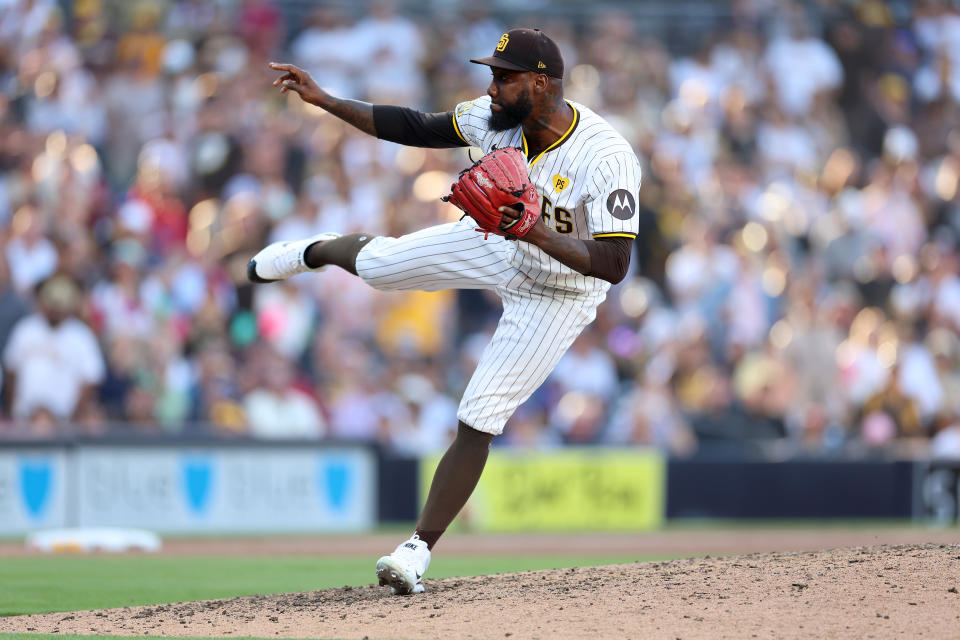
x: 588, y: 181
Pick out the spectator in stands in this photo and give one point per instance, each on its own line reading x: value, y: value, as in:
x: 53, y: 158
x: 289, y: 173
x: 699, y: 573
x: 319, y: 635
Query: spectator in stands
x: 324, y: 49
x: 30, y: 253
x: 53, y: 361
x: 13, y: 307
x: 216, y: 393
x: 899, y: 409
x: 423, y: 425
x: 391, y: 51
x: 801, y: 66
x: 648, y: 417
x: 946, y: 440
x: 261, y: 25
x: 799, y: 211
x: 277, y: 408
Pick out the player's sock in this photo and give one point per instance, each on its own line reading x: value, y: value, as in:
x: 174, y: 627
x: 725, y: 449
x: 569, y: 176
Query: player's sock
x: 430, y: 537
x: 341, y: 251
x: 453, y: 482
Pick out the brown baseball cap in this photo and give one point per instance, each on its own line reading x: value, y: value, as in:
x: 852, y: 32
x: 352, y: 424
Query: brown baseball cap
x: 526, y: 50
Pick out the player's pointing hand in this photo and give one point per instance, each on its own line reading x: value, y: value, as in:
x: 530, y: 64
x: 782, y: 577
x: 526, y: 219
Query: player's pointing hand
x: 296, y: 79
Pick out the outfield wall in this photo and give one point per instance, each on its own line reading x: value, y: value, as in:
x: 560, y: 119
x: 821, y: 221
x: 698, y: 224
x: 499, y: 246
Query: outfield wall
x: 243, y: 486
x: 188, y: 489
x: 727, y: 487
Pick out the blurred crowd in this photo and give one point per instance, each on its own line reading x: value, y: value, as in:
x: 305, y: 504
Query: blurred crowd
x: 795, y: 279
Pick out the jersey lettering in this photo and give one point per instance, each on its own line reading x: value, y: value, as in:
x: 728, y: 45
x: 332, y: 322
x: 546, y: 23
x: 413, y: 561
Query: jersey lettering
x: 546, y: 208
x: 564, y: 221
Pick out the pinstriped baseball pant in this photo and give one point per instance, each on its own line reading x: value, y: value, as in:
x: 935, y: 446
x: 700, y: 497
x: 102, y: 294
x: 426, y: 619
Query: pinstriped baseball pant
x: 538, y: 324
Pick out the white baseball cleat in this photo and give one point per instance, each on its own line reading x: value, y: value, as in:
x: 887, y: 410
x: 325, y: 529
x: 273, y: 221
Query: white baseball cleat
x: 280, y: 260
x: 404, y: 568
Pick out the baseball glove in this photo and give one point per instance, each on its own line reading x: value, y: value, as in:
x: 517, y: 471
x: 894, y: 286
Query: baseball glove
x: 496, y: 180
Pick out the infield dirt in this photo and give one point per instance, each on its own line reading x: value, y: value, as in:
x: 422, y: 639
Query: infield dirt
x: 902, y: 591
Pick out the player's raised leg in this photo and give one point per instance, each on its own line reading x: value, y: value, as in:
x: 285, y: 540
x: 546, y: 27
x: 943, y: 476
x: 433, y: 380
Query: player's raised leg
x: 446, y: 256
x: 280, y: 260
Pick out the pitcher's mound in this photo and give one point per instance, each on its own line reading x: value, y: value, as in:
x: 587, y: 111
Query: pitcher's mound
x: 908, y: 591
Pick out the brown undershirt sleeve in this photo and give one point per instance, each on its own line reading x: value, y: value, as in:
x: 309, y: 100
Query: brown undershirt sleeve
x: 609, y: 258
x: 415, y: 128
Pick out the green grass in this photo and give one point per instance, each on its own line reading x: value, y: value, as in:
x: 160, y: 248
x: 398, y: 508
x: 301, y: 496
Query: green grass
x: 40, y: 584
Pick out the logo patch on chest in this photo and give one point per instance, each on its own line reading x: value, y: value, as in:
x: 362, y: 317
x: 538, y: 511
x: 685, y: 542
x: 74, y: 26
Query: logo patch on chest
x: 560, y: 183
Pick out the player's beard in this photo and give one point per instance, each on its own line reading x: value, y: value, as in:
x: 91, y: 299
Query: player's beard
x: 511, y: 115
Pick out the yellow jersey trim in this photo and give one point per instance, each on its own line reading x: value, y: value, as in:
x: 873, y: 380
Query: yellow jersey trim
x: 457, y: 128
x: 615, y: 235
x: 560, y: 140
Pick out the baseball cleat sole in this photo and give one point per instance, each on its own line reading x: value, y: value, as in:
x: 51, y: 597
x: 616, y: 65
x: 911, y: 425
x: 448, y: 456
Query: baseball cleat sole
x: 390, y: 575
x: 284, y: 259
x: 252, y: 274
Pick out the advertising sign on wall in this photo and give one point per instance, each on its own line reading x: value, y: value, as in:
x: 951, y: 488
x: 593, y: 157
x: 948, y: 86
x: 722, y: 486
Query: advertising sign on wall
x: 237, y: 490
x: 32, y: 490
x: 938, y: 492
x: 569, y: 489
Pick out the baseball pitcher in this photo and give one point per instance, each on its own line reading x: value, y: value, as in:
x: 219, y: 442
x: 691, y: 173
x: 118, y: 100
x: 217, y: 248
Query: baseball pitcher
x: 551, y: 213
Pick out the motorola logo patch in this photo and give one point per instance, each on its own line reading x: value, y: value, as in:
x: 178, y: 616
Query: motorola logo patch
x: 621, y: 204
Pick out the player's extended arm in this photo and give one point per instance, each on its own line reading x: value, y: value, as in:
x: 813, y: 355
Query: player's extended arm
x: 604, y: 258
x: 355, y: 112
x: 395, y: 124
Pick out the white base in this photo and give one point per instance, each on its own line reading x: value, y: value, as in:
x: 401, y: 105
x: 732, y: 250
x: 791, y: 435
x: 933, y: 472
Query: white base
x: 87, y: 540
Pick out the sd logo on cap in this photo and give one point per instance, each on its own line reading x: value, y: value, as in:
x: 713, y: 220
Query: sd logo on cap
x: 526, y: 50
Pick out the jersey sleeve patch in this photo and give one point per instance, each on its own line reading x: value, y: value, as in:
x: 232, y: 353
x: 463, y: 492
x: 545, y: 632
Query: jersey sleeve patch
x: 615, y: 204
x: 621, y: 204
x: 470, y: 119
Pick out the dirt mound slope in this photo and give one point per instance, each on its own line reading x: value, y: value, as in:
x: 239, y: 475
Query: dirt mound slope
x: 905, y: 591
